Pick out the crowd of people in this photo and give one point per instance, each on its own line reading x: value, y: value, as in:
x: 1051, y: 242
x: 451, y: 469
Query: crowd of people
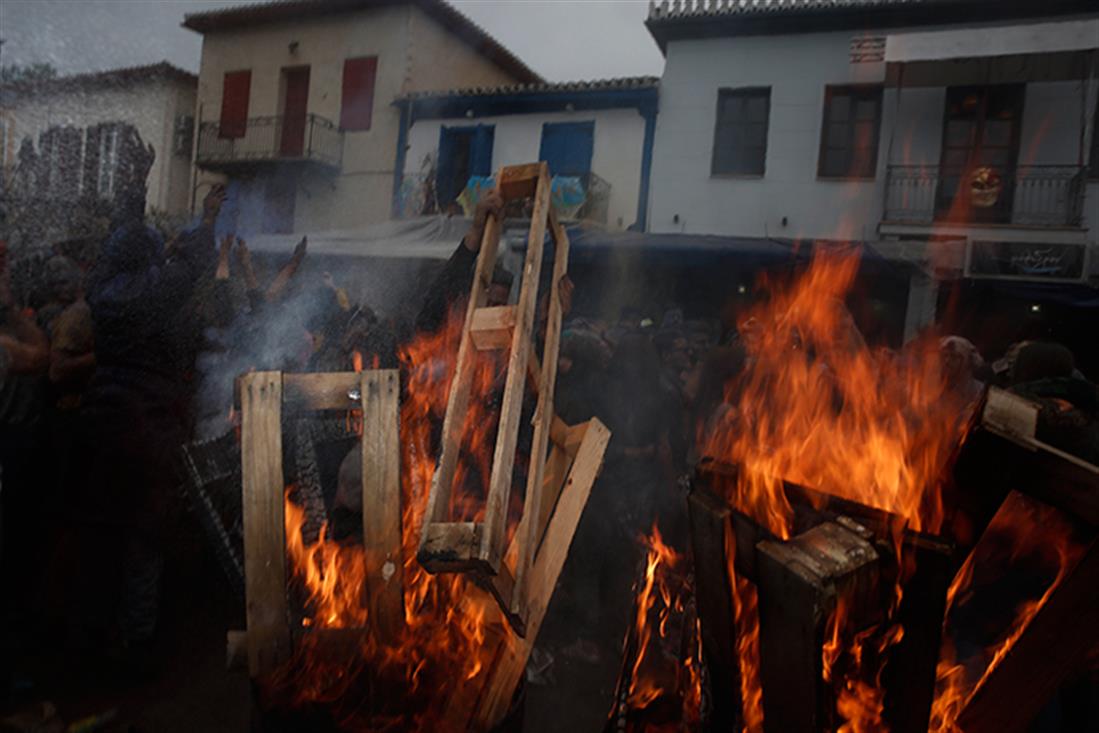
x: 103, y: 379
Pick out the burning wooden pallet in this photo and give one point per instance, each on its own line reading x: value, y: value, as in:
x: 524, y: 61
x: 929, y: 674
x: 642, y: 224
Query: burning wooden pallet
x: 479, y: 547
x: 842, y: 555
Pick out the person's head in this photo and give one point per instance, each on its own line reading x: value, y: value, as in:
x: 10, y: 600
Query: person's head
x: 960, y: 359
x: 1042, y: 360
x: 499, y: 290
x: 674, y: 349
x: 63, y: 280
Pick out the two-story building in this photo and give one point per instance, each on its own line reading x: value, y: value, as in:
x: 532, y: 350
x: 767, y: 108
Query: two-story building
x: 63, y: 140
x: 596, y: 137
x: 295, y: 102
x: 956, y: 134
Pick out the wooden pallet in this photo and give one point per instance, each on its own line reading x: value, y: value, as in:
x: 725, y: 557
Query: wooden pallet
x: 263, y: 395
x: 479, y: 547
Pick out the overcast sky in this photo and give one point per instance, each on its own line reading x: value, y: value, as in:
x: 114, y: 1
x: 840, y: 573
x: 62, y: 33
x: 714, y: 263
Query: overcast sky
x: 560, y: 39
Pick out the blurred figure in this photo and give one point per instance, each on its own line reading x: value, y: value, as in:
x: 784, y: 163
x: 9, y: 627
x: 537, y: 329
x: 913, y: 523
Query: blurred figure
x: 961, y: 362
x: 136, y: 418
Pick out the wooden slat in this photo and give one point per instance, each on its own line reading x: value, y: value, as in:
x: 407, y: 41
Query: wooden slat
x: 331, y: 391
x: 458, y: 398
x: 492, y: 327
x: 509, y: 666
x: 711, y: 542
x: 528, y: 535
x: 381, y: 487
x: 519, y: 181
x: 263, y: 486
x: 511, y: 404
x: 449, y: 547
x: 1055, y: 642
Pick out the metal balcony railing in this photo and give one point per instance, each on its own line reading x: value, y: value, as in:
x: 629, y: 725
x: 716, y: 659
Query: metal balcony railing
x: 270, y: 139
x: 1028, y: 195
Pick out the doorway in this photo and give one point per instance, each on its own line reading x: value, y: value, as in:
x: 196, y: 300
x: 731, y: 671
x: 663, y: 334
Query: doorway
x: 295, y: 107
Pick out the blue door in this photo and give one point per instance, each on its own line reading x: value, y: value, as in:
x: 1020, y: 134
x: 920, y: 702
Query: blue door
x: 463, y: 152
x: 567, y: 147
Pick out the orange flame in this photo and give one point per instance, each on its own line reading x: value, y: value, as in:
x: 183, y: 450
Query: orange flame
x: 1036, y: 533
x: 816, y: 406
x: 447, y: 621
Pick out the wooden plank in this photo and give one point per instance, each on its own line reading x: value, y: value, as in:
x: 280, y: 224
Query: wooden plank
x: 458, y: 397
x: 511, y: 404
x: 800, y: 582
x: 1056, y: 642
x: 381, y: 487
x: 328, y: 391
x: 263, y: 486
x: 509, y: 667
x: 520, y: 181
x: 449, y: 547
x: 529, y: 533
x: 711, y: 541
x: 909, y: 675
x: 492, y: 327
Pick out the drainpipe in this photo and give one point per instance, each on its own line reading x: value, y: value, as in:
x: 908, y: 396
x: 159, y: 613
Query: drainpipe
x: 402, y: 145
x: 649, y: 113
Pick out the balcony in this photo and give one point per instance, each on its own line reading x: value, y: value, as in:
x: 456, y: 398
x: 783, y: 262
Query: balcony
x: 1029, y: 196
x: 270, y: 141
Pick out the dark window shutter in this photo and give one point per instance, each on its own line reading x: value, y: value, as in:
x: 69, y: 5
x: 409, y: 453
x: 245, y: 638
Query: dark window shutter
x: 91, y: 160
x: 234, y: 103
x: 358, y: 92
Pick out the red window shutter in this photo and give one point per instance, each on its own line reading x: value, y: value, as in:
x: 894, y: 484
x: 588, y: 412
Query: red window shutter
x: 234, y: 103
x: 358, y: 92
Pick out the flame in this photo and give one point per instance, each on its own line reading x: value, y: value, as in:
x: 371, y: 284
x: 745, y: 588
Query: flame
x: 661, y: 618
x: 1037, y: 534
x: 816, y: 406
x: 357, y: 361
x: 447, y: 620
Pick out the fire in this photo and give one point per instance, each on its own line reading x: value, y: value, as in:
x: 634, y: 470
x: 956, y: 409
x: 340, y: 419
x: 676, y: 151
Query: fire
x: 1037, y: 537
x: 662, y: 668
x: 446, y: 620
x: 816, y: 406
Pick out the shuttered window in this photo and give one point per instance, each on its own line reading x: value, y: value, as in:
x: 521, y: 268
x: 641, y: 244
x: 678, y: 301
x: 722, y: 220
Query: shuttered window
x: 849, y: 132
x: 740, y: 134
x: 234, y: 103
x: 358, y: 92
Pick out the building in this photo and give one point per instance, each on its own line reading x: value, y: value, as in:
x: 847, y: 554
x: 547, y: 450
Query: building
x: 955, y: 134
x: 63, y: 140
x: 295, y: 102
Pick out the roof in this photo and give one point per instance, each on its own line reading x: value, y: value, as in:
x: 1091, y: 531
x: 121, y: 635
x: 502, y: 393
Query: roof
x: 109, y: 78
x: 289, y: 10
x: 573, y: 87
x: 638, y: 92
x: 683, y: 19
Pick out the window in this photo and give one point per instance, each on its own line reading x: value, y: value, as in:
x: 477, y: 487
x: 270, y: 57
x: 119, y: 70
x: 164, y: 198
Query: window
x: 357, y: 105
x: 101, y: 153
x: 183, y: 134
x: 849, y: 132
x: 740, y: 136
x: 567, y: 147
x: 61, y: 151
x: 1095, y: 142
x: 234, y: 104
x: 464, y: 152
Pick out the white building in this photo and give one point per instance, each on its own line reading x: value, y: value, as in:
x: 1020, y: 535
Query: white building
x: 877, y: 120
x: 295, y: 102
x: 63, y: 139
x: 598, y: 135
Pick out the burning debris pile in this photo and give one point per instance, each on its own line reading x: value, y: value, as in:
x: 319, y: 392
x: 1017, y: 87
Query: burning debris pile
x: 825, y: 573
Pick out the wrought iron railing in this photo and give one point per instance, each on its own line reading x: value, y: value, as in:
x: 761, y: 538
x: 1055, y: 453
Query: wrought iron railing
x: 271, y: 139
x: 1028, y: 195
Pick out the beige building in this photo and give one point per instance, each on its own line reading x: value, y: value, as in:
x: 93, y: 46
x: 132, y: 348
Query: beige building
x: 295, y: 102
x: 63, y: 139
